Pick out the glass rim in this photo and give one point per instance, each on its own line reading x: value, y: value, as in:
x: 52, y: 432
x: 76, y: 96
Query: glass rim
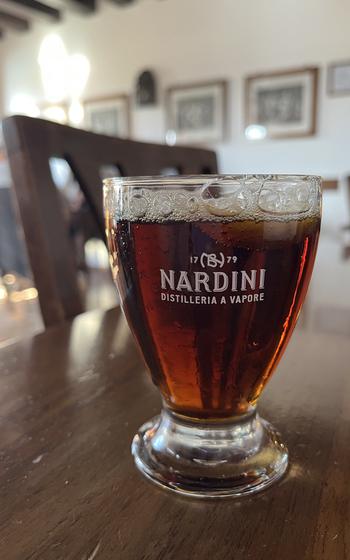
x: 178, y: 181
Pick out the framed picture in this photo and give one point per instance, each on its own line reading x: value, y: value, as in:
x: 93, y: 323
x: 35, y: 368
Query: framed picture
x: 108, y: 115
x: 283, y: 103
x: 338, y: 79
x: 197, y: 113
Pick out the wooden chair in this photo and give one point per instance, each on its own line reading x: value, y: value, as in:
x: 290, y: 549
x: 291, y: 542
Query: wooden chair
x: 30, y: 145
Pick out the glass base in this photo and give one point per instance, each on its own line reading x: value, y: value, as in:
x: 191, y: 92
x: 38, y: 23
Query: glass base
x: 210, y: 459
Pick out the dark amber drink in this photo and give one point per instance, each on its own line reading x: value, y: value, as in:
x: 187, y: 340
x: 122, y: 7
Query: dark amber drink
x: 212, y: 303
x: 212, y: 272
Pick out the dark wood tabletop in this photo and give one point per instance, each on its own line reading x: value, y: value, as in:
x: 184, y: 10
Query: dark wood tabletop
x: 71, y: 400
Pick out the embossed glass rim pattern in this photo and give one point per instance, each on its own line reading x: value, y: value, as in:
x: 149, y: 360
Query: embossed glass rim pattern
x: 180, y: 181
x: 214, y: 197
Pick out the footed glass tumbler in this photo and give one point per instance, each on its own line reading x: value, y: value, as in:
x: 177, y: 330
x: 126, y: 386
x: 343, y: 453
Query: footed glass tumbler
x: 212, y: 272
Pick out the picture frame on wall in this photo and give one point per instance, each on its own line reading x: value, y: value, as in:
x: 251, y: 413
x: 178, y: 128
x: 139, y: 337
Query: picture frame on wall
x: 197, y: 113
x: 338, y: 78
x: 283, y: 103
x: 108, y: 115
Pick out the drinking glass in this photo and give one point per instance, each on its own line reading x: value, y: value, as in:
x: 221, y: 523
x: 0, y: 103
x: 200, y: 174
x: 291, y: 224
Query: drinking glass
x: 212, y: 272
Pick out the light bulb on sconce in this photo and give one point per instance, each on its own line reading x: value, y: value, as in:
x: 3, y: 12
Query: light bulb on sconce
x: 53, y: 61
x: 64, y: 77
x: 55, y: 113
x: 52, y: 50
x: 78, y: 75
x: 76, y: 112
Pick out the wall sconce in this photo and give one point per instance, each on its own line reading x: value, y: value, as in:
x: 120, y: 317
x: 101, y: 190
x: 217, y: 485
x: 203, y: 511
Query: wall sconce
x: 52, y: 60
x: 63, y: 77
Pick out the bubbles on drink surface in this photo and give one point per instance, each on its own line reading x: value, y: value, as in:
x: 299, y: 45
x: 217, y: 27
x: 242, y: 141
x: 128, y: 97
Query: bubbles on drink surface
x: 285, y: 198
x: 217, y: 199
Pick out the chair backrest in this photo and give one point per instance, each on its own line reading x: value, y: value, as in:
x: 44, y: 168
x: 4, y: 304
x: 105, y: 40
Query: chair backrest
x: 30, y: 144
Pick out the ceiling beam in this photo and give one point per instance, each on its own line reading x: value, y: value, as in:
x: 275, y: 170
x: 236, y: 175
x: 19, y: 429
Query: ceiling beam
x: 39, y: 7
x: 123, y: 2
x: 85, y: 6
x: 15, y: 22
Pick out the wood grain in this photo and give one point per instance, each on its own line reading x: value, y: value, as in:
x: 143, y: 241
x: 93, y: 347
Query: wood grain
x: 71, y: 400
x: 30, y: 144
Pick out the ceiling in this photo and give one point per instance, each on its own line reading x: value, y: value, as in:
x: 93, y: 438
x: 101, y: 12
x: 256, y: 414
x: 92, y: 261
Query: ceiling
x: 19, y: 15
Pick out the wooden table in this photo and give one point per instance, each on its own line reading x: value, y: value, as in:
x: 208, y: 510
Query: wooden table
x: 71, y: 400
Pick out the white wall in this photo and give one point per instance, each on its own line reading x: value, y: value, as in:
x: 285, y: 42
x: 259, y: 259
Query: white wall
x: 189, y: 40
